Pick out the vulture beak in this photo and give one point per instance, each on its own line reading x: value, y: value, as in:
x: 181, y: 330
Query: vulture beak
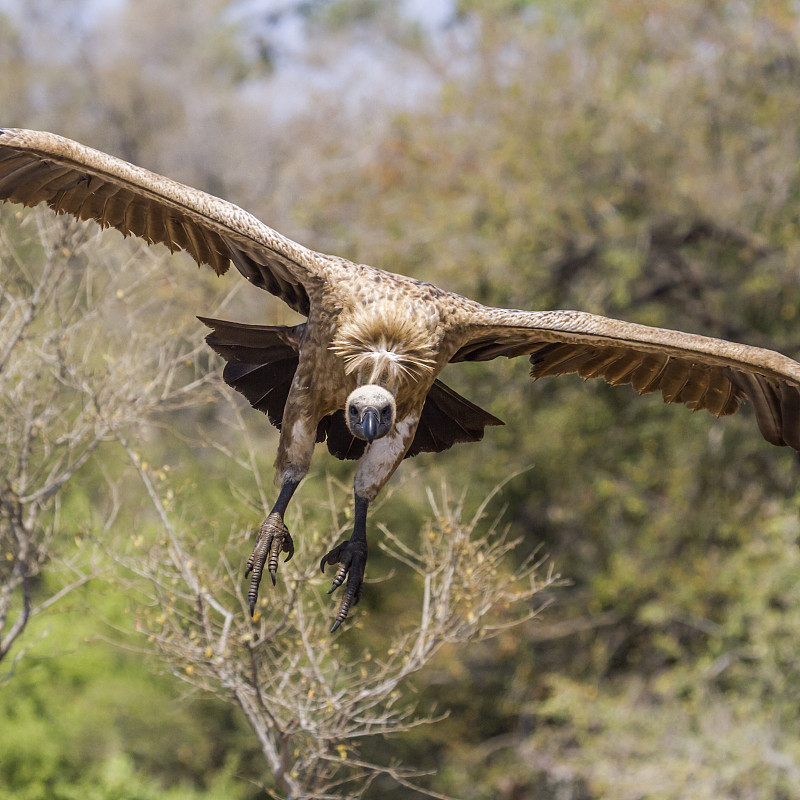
x: 370, y: 422
x: 369, y: 412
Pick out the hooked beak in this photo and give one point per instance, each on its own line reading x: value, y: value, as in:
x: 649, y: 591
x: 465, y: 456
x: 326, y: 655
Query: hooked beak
x: 369, y: 423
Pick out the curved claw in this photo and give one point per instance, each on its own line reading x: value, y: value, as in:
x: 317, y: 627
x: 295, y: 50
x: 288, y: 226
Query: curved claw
x: 280, y: 543
x: 334, y: 556
x: 350, y: 599
x: 352, y: 559
x: 272, y: 539
x: 338, y: 579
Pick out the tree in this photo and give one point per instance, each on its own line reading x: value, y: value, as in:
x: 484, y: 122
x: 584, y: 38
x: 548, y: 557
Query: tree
x: 634, y: 159
x: 89, y: 357
x: 82, y: 359
x: 311, y: 700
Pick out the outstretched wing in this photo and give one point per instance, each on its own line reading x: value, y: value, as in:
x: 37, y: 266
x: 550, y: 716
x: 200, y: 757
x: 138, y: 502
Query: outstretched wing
x: 698, y: 371
x: 38, y: 167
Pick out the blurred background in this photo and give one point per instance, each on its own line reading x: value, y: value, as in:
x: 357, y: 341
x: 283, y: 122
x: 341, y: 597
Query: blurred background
x: 634, y: 159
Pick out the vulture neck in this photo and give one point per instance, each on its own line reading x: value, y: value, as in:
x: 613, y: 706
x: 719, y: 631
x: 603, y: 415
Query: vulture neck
x: 389, y: 349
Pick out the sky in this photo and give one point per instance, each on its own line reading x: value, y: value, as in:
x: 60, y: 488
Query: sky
x: 359, y: 63
x: 365, y: 69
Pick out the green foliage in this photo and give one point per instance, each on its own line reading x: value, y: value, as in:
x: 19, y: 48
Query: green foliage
x: 638, y: 160
x: 633, y: 159
x: 82, y: 717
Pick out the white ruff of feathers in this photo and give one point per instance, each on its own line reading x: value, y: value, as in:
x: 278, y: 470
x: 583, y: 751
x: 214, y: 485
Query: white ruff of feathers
x: 388, y: 349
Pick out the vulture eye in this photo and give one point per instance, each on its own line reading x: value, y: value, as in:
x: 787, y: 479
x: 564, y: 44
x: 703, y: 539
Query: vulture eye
x: 386, y: 413
x: 353, y: 411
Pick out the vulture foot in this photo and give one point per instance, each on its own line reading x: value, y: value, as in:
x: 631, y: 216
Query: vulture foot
x: 352, y: 559
x: 272, y: 539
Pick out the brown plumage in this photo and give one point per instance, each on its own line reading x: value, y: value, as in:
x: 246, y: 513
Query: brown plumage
x: 361, y: 373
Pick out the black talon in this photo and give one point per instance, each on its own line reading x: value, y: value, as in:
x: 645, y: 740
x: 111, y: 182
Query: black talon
x: 352, y: 559
x: 333, y: 556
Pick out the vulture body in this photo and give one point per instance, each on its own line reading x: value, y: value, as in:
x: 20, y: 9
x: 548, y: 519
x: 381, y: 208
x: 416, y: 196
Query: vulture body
x: 361, y: 373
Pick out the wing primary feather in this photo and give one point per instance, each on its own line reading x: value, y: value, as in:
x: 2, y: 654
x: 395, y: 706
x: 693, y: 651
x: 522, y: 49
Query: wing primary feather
x: 57, y: 179
x: 564, y: 365
x: 39, y: 184
x: 154, y: 228
x: 790, y: 414
x: 769, y: 393
x: 94, y: 204
x: 178, y: 239
x: 133, y: 218
x: 106, y: 196
x: 694, y: 389
x: 558, y: 359
x: 618, y: 373
x: 673, y: 380
x: 68, y: 199
x: 645, y: 378
x: 765, y: 404
x: 198, y: 248
x: 602, y: 358
x: 728, y: 395
x: 17, y: 178
x: 114, y: 208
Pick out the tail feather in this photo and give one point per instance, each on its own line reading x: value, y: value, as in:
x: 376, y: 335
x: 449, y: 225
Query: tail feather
x: 262, y: 360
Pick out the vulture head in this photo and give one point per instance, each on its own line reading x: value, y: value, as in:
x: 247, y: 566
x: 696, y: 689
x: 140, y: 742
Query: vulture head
x: 370, y: 412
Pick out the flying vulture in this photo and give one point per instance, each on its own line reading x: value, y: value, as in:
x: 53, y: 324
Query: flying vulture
x: 361, y: 373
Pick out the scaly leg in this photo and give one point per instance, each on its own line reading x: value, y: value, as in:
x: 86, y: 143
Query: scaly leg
x: 273, y: 538
x: 351, y: 555
x: 380, y: 460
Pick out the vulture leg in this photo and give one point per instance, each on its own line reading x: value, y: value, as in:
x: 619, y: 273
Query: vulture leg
x: 272, y: 539
x: 380, y: 460
x: 351, y: 555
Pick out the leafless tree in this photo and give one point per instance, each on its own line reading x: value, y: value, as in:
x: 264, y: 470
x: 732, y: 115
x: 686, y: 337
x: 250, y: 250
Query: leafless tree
x: 83, y: 357
x: 92, y: 351
x: 309, y: 699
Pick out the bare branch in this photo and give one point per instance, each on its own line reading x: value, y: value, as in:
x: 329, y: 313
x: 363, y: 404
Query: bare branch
x: 82, y: 360
x: 308, y: 705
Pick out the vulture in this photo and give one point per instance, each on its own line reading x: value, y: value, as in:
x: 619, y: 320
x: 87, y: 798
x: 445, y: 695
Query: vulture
x: 360, y: 374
